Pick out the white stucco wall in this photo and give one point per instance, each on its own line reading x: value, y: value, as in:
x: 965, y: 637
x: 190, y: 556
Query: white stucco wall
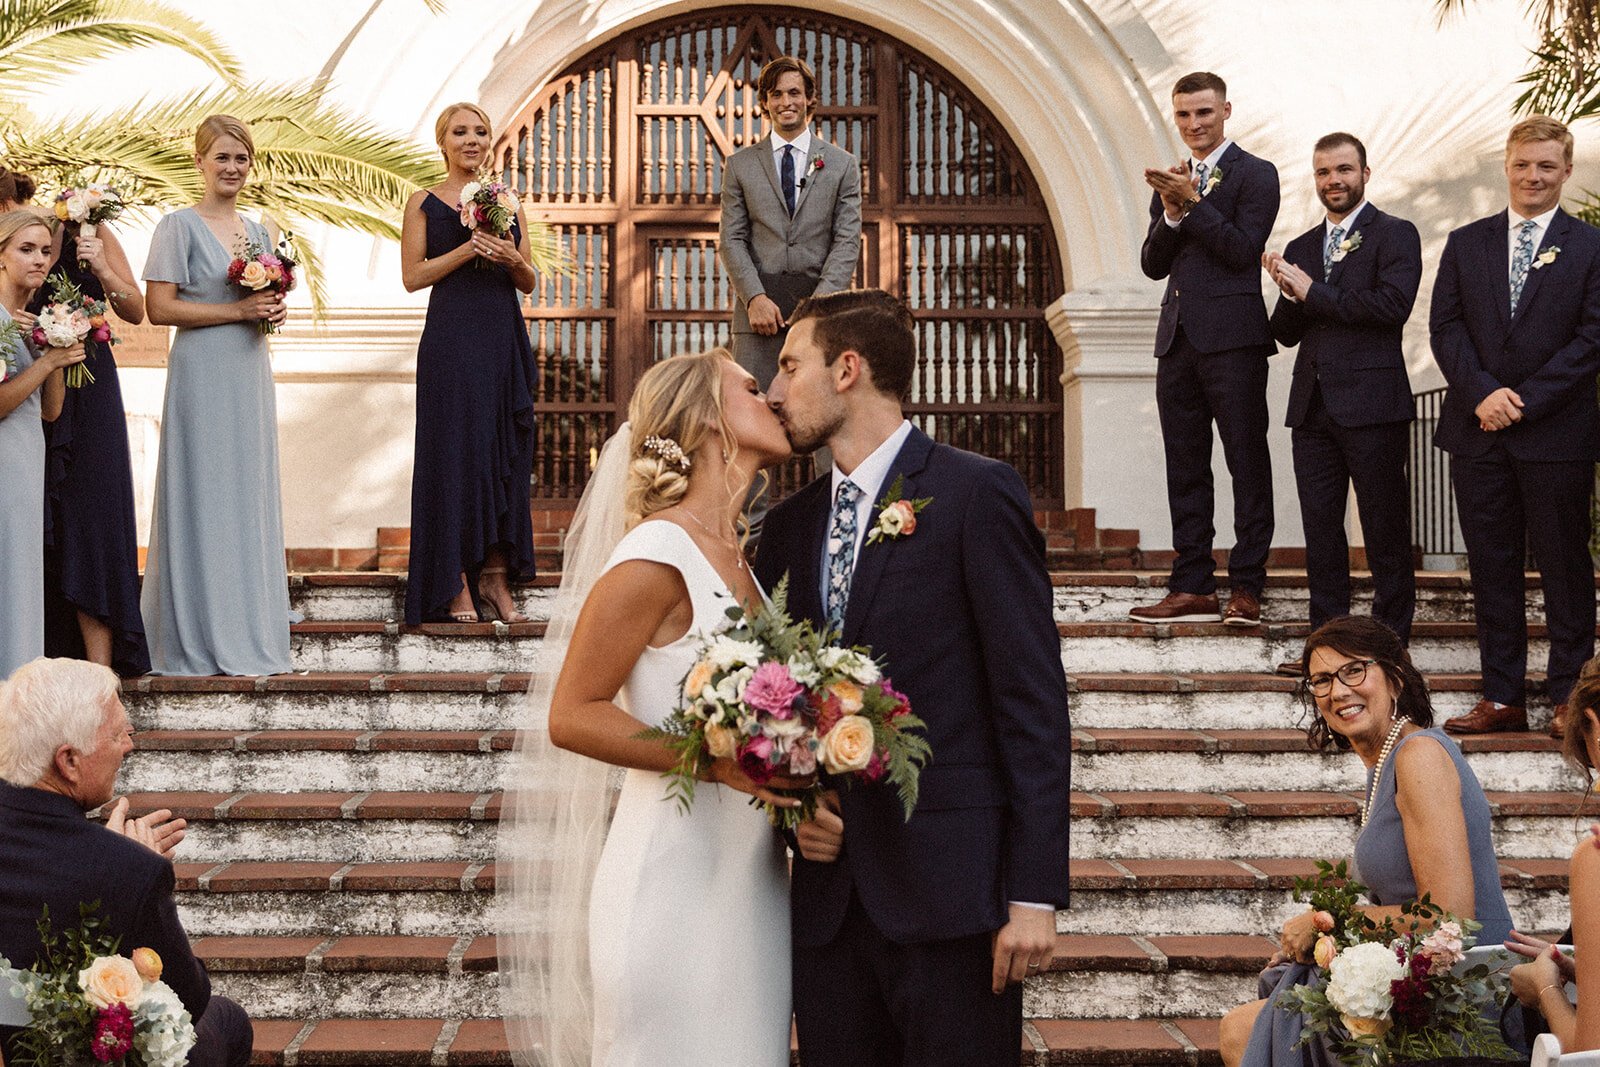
x: 1081, y: 85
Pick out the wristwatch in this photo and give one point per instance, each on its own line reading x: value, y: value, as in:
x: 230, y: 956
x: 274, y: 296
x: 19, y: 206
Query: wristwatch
x: 1190, y: 204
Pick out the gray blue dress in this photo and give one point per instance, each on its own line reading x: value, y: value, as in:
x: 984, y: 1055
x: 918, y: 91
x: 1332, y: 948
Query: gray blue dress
x: 216, y: 595
x: 21, y: 525
x: 1383, y: 865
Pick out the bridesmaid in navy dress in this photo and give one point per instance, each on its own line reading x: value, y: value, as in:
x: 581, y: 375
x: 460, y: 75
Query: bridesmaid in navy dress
x: 471, y: 531
x: 91, y: 539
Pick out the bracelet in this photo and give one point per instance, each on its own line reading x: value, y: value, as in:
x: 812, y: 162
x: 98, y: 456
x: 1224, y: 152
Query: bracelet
x: 1552, y: 985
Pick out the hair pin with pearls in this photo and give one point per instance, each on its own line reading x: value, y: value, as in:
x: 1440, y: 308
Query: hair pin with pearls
x: 669, y: 450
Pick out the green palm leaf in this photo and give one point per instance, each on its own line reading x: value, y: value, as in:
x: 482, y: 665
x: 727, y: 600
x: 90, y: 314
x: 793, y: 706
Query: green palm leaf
x: 45, y: 39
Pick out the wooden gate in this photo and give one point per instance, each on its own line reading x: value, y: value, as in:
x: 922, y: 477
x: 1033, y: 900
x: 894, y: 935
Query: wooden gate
x: 622, y: 154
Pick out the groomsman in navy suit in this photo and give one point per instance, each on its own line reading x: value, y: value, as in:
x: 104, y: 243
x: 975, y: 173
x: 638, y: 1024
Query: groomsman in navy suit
x: 1516, y: 330
x: 1347, y: 288
x: 1209, y: 221
x: 911, y: 938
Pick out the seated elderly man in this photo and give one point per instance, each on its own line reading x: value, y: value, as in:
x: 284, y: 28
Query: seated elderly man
x: 63, y: 735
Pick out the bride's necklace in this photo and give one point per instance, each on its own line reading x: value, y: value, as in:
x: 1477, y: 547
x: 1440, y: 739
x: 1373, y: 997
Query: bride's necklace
x: 730, y: 543
x: 1377, y: 773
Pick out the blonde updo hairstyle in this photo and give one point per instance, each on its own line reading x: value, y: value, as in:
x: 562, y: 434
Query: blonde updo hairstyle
x: 213, y: 127
x: 678, y: 399
x: 442, y: 123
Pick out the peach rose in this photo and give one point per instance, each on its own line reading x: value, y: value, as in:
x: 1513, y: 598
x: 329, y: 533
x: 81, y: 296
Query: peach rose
x: 848, y: 695
x: 720, y: 740
x: 254, y: 275
x: 699, y: 676
x: 848, y: 746
x: 111, y: 980
x: 1323, y: 921
x: 148, y: 963
x: 1365, y: 1027
x: 1325, y: 951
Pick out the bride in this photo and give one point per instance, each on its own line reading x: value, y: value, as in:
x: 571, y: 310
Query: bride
x: 665, y: 939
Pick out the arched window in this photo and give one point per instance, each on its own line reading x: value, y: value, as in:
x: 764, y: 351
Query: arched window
x: 622, y: 154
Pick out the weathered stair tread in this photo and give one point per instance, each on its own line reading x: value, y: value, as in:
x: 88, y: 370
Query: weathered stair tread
x: 338, y: 682
x: 210, y: 807
x: 1291, y: 804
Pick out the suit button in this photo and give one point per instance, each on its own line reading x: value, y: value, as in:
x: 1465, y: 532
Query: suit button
x: 1177, y: 292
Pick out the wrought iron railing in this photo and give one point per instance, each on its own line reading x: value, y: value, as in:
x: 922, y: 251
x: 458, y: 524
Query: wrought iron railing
x: 1433, y: 505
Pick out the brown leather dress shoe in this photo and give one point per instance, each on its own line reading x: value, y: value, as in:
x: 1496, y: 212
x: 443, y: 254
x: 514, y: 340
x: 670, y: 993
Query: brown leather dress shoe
x: 1487, y: 717
x: 1558, y: 722
x: 1178, y: 607
x: 1243, y: 610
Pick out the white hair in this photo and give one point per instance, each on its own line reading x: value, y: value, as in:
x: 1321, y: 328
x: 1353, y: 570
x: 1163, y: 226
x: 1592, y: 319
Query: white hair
x: 46, y: 704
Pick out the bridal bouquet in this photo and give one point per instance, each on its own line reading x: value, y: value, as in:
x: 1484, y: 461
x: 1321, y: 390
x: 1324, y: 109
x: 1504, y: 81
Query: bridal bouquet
x: 490, y: 206
x: 773, y: 695
x: 256, y: 268
x: 1387, y: 994
x: 88, y: 1005
x: 68, y: 319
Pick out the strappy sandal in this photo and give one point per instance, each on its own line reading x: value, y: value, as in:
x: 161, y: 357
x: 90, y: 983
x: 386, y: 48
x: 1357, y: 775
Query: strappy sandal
x: 488, y: 603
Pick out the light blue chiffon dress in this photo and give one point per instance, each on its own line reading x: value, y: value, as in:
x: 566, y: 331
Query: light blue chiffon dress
x: 216, y: 595
x: 21, y: 525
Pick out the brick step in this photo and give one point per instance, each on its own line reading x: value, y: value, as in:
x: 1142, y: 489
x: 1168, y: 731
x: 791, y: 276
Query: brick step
x: 298, y: 977
x: 1226, y: 760
x: 482, y: 1043
x: 290, y: 760
x: 1205, y: 825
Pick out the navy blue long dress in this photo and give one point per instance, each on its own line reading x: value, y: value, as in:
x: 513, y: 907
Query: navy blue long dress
x: 91, y: 540
x: 475, y: 380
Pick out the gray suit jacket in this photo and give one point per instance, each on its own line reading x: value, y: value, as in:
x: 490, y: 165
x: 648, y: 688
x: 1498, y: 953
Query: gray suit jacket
x: 757, y: 236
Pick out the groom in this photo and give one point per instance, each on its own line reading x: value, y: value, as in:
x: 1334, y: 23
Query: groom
x: 909, y: 948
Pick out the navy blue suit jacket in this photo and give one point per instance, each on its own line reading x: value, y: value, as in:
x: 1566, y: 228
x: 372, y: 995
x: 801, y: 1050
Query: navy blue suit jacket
x: 1212, y: 260
x: 50, y: 853
x: 1350, y: 327
x: 1548, y: 350
x: 960, y: 611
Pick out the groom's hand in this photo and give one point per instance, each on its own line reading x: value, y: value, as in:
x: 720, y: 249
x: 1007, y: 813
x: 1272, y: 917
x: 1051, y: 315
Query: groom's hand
x: 821, y: 837
x: 1023, y: 946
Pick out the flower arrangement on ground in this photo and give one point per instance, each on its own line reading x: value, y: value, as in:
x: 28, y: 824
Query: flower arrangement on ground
x: 783, y: 699
x: 256, y: 268
x: 87, y: 1004
x: 1392, y: 992
x: 70, y: 318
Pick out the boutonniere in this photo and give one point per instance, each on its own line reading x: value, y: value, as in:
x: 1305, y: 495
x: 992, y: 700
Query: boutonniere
x: 1346, y: 246
x: 1547, y: 257
x: 1213, y: 181
x: 811, y: 168
x: 897, y: 516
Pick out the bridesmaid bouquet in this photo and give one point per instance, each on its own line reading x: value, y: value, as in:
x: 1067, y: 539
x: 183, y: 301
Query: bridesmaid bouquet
x: 775, y: 696
x: 490, y: 206
x: 69, y: 318
x: 1389, y: 993
x: 88, y: 207
x: 10, y: 337
x: 256, y: 268
x: 88, y: 1005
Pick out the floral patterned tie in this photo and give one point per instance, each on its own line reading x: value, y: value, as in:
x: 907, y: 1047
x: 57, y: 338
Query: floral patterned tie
x: 1335, y: 235
x: 1520, y: 259
x: 841, y: 551
x: 1200, y: 171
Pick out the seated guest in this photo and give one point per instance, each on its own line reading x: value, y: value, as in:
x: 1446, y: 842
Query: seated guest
x: 63, y: 735
x: 1423, y: 811
x: 1539, y: 983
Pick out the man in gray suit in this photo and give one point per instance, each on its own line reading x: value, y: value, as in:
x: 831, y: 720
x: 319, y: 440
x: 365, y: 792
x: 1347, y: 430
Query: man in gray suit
x: 791, y: 217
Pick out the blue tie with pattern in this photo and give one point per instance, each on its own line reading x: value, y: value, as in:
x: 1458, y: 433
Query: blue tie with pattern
x: 841, y: 551
x: 1200, y: 172
x: 788, y: 177
x: 1335, y: 235
x: 1520, y: 259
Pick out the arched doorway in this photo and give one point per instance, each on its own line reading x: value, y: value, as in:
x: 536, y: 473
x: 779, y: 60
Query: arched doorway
x: 622, y: 154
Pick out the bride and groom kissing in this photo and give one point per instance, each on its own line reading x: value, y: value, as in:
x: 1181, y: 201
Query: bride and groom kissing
x: 638, y: 933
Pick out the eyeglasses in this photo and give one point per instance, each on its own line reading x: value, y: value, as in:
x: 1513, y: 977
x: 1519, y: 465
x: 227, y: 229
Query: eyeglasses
x: 1351, y: 674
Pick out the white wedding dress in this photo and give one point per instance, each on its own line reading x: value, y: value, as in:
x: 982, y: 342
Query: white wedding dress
x: 689, y: 913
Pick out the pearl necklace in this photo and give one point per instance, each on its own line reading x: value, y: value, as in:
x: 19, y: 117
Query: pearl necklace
x: 1383, y: 757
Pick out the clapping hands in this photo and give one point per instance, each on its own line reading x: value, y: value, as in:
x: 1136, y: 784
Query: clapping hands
x: 1172, y: 184
x: 1293, y: 282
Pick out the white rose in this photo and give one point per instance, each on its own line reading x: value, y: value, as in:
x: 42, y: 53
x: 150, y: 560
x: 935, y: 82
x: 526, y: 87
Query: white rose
x: 785, y: 729
x: 848, y: 746
x: 59, y: 334
x: 111, y: 980
x: 78, y: 207
x: 1358, y: 980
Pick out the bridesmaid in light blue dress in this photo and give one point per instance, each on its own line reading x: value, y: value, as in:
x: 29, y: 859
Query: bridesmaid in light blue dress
x: 216, y: 595
x: 30, y: 391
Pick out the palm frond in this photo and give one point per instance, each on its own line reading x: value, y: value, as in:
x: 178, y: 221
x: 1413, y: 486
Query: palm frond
x: 45, y: 39
x: 436, y: 7
x: 1560, y: 81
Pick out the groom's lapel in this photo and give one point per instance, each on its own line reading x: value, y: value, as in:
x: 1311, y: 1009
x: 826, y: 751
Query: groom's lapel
x: 805, y: 573
x: 864, y: 582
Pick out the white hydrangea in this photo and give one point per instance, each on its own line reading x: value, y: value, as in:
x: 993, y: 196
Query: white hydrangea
x: 164, y: 1031
x: 1358, y: 980
x: 726, y: 653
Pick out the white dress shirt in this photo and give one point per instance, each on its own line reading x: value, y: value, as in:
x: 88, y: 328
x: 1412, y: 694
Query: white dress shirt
x: 1328, y: 224
x: 869, y: 476
x: 802, y: 151
x: 1211, y: 162
x: 1541, y: 223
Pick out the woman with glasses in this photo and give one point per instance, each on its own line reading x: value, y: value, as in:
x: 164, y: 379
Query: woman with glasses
x: 1423, y: 811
